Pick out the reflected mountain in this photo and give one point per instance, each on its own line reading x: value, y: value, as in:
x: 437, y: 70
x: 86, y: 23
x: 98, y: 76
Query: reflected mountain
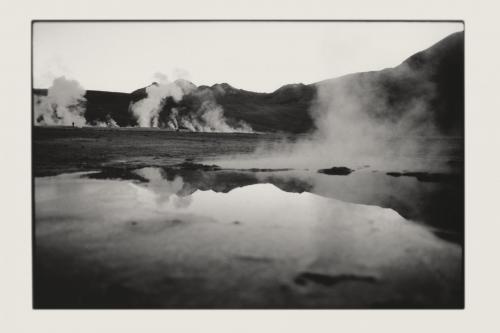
x: 215, y: 179
x: 433, y: 203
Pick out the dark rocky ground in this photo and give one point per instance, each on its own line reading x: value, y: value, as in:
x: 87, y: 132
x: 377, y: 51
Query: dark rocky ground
x: 64, y: 149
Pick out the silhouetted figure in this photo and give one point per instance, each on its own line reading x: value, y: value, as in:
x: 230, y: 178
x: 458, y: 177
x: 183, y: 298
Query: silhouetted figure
x: 73, y: 124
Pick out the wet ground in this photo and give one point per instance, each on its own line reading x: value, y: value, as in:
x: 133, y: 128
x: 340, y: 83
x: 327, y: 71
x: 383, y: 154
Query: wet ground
x: 150, y: 223
x: 64, y: 149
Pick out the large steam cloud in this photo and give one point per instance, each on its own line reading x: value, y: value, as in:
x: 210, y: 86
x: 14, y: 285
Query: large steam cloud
x: 358, y: 125
x: 63, y: 105
x: 147, y: 110
x: 207, y: 117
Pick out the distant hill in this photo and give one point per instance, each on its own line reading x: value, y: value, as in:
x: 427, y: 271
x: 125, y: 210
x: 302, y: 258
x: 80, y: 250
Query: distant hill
x: 435, y: 75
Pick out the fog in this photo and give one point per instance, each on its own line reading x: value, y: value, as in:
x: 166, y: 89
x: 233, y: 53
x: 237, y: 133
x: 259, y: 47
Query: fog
x: 63, y: 105
x: 152, y: 110
x: 359, y: 125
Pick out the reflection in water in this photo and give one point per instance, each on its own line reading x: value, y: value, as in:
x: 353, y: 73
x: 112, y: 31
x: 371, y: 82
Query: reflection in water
x: 163, y: 242
x: 431, y: 203
x: 160, y: 187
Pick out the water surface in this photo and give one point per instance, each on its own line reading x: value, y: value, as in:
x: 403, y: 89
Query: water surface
x: 173, y: 240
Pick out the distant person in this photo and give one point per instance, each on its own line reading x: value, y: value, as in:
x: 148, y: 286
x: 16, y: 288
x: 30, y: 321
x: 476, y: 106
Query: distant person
x: 73, y: 124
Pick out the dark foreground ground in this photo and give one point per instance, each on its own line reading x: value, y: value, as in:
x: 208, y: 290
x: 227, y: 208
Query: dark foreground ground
x: 92, y: 267
x: 59, y: 150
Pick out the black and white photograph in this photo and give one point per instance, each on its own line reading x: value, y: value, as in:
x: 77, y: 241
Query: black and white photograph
x: 247, y: 164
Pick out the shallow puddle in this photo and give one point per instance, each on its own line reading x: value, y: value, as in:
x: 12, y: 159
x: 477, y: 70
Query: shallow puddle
x: 127, y: 243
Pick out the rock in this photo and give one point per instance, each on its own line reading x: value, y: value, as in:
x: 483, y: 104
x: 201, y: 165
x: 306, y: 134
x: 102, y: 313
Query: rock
x: 337, y: 171
x: 197, y: 166
x: 330, y: 280
x: 427, y: 176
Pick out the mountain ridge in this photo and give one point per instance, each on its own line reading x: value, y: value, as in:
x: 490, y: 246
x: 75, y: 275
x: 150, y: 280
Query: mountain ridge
x: 434, y: 75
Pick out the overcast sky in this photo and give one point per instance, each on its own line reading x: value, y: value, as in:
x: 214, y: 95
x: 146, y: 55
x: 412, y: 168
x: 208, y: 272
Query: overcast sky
x: 252, y: 56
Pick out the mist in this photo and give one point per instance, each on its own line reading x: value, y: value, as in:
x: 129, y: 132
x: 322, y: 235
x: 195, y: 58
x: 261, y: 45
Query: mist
x: 147, y: 110
x: 156, y: 110
x: 63, y: 105
x: 359, y: 124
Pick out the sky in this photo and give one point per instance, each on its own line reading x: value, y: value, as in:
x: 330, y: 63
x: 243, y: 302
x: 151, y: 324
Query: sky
x: 256, y: 56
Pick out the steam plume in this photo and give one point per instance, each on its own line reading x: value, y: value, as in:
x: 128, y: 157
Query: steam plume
x: 207, y: 117
x: 359, y: 124
x: 147, y: 110
x: 63, y: 105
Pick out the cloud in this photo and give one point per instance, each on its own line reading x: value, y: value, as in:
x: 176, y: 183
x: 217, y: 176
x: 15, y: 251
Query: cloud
x: 63, y: 105
x: 362, y: 120
x: 161, y: 108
